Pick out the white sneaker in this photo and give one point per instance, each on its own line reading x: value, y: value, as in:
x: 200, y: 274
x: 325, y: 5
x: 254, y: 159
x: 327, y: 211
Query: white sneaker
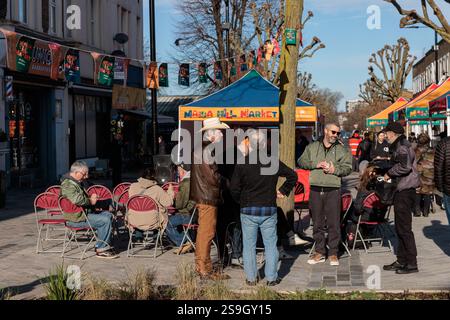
x: 334, y: 261
x: 295, y: 240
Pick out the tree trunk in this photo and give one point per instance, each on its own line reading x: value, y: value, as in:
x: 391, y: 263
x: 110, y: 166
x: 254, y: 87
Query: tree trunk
x: 288, y: 96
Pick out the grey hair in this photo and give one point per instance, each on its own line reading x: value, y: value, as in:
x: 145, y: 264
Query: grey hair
x: 78, y: 166
x: 329, y: 125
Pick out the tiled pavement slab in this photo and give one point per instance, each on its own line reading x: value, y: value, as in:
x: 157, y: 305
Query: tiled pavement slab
x: 23, y: 271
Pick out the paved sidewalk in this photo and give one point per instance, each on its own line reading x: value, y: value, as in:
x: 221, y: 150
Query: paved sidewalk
x: 23, y: 271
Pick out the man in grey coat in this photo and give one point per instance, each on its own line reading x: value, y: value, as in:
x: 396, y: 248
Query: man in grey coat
x: 404, y: 173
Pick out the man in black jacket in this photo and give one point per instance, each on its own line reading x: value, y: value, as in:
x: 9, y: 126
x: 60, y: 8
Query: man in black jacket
x: 363, y: 151
x: 442, y: 172
x: 257, y: 194
x: 404, y: 172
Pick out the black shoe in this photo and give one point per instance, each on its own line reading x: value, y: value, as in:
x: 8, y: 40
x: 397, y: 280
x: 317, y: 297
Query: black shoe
x: 274, y: 283
x: 407, y: 270
x: 417, y: 214
x: 426, y: 214
x: 251, y: 283
x: 393, y: 267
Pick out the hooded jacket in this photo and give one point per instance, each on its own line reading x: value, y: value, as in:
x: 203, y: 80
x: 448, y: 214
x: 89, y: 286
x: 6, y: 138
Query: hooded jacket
x: 442, y: 166
x: 163, y: 199
x: 404, y: 165
x: 338, y: 154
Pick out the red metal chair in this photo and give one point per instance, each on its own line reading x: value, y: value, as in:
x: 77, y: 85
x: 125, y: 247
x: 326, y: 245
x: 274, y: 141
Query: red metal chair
x: 141, y: 211
x: 120, y: 212
x: 54, y: 189
x: 67, y: 207
x: 102, y: 192
x: 381, y: 226
x: 118, y: 191
x: 174, y: 185
x: 44, y: 205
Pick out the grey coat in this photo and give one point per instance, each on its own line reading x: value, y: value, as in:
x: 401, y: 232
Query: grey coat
x: 404, y: 165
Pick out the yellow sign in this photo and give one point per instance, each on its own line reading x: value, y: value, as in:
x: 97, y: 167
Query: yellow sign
x: 254, y: 114
x: 127, y: 98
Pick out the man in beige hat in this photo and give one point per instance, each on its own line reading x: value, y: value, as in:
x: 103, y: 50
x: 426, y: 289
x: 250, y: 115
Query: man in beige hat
x: 207, y: 193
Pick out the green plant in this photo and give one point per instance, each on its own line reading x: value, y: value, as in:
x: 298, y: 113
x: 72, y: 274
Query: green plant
x: 140, y: 287
x: 217, y: 290
x: 56, y: 288
x: 188, y: 287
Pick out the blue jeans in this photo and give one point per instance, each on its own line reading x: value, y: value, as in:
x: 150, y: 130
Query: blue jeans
x: 447, y: 206
x: 175, y: 222
x: 102, y: 222
x: 268, y: 226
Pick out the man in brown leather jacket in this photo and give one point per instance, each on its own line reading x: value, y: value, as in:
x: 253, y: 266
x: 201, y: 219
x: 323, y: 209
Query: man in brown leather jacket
x: 206, y: 192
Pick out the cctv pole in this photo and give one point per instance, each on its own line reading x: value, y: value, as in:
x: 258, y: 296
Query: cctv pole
x: 154, y: 96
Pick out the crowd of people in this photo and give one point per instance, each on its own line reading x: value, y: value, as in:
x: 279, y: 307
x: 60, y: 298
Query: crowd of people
x: 245, y: 198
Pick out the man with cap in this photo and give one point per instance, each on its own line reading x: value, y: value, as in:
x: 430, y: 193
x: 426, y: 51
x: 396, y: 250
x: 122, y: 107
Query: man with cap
x: 206, y: 191
x: 404, y: 173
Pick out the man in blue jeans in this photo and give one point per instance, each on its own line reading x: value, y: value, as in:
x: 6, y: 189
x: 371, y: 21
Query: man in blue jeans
x: 72, y: 189
x: 442, y: 172
x: 257, y: 194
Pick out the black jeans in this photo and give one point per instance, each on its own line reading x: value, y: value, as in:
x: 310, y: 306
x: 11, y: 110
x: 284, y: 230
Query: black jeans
x: 423, y: 203
x: 325, y: 210
x: 403, y: 204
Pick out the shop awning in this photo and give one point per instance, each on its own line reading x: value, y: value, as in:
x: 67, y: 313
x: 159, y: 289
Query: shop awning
x: 381, y: 118
x: 440, y: 106
x: 400, y: 113
x: 252, y: 98
x: 147, y: 115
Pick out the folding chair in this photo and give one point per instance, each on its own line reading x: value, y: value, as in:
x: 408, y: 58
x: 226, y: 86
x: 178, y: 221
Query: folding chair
x: 193, y: 226
x: 120, y: 212
x: 68, y: 207
x: 118, y: 191
x: 54, y: 189
x: 45, y: 207
x: 142, y: 206
x: 174, y: 185
x: 102, y: 192
x: 380, y: 226
x: 346, y: 204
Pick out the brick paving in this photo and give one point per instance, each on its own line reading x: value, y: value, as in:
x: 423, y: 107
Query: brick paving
x: 23, y: 271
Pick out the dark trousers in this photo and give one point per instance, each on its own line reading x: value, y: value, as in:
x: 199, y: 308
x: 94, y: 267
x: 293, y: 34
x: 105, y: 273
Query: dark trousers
x: 325, y: 208
x: 403, y: 205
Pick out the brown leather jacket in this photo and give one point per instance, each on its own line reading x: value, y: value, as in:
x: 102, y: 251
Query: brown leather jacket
x: 205, y: 183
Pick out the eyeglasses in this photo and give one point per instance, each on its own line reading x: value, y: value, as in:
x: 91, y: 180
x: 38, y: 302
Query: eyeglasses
x: 84, y: 174
x: 338, y: 133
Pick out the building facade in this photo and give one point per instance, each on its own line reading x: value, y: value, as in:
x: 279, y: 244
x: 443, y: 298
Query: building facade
x: 51, y: 123
x: 424, y: 71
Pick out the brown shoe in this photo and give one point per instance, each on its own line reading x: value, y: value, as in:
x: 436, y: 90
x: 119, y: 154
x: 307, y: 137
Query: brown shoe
x: 185, y: 249
x: 316, y: 258
x: 334, y: 261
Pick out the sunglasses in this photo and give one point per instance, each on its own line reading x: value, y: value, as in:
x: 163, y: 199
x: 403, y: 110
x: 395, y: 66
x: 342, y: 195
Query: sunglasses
x: 338, y: 133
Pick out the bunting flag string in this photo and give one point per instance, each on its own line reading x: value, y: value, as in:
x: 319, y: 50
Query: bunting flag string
x: 65, y: 62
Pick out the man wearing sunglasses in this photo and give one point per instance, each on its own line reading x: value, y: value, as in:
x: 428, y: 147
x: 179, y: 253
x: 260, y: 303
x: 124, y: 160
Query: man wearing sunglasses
x: 329, y: 161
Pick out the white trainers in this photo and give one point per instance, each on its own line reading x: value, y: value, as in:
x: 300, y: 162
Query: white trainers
x: 317, y: 258
x: 295, y: 240
x: 334, y: 261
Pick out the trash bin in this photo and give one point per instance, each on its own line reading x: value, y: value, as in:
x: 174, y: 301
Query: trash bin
x: 2, y: 189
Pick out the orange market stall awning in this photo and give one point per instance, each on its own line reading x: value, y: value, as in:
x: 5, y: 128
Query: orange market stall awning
x: 381, y: 118
x: 400, y: 113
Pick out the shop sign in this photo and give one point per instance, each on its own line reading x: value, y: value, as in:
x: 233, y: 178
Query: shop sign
x: 417, y: 113
x: 254, y: 114
x: 127, y: 98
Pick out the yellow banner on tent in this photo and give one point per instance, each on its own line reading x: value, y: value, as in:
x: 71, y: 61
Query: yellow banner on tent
x: 242, y: 114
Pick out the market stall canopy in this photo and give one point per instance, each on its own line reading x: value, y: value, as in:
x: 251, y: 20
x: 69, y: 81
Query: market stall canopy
x: 400, y: 113
x: 251, y: 98
x: 381, y: 118
x: 440, y: 106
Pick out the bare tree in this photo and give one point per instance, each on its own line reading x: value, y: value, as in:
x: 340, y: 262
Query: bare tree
x: 369, y: 93
x: 306, y: 89
x: 394, y: 63
x: 411, y: 17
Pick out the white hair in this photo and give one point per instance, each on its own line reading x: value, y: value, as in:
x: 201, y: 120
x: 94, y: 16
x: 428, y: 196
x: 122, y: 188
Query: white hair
x: 79, y: 166
x: 258, y: 139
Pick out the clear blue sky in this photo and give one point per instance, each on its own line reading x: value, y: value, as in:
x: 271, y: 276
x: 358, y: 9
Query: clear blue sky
x: 341, y: 25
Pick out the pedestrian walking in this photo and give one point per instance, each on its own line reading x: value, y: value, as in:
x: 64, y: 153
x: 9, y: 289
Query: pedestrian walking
x: 442, y: 172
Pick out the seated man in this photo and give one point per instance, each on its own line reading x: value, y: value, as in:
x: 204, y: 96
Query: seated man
x: 184, y: 207
x: 72, y: 189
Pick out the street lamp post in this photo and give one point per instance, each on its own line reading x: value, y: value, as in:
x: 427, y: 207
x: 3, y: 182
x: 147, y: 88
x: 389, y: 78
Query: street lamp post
x: 154, y: 96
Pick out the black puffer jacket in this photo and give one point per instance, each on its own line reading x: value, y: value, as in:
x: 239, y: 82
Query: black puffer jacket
x: 442, y: 166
